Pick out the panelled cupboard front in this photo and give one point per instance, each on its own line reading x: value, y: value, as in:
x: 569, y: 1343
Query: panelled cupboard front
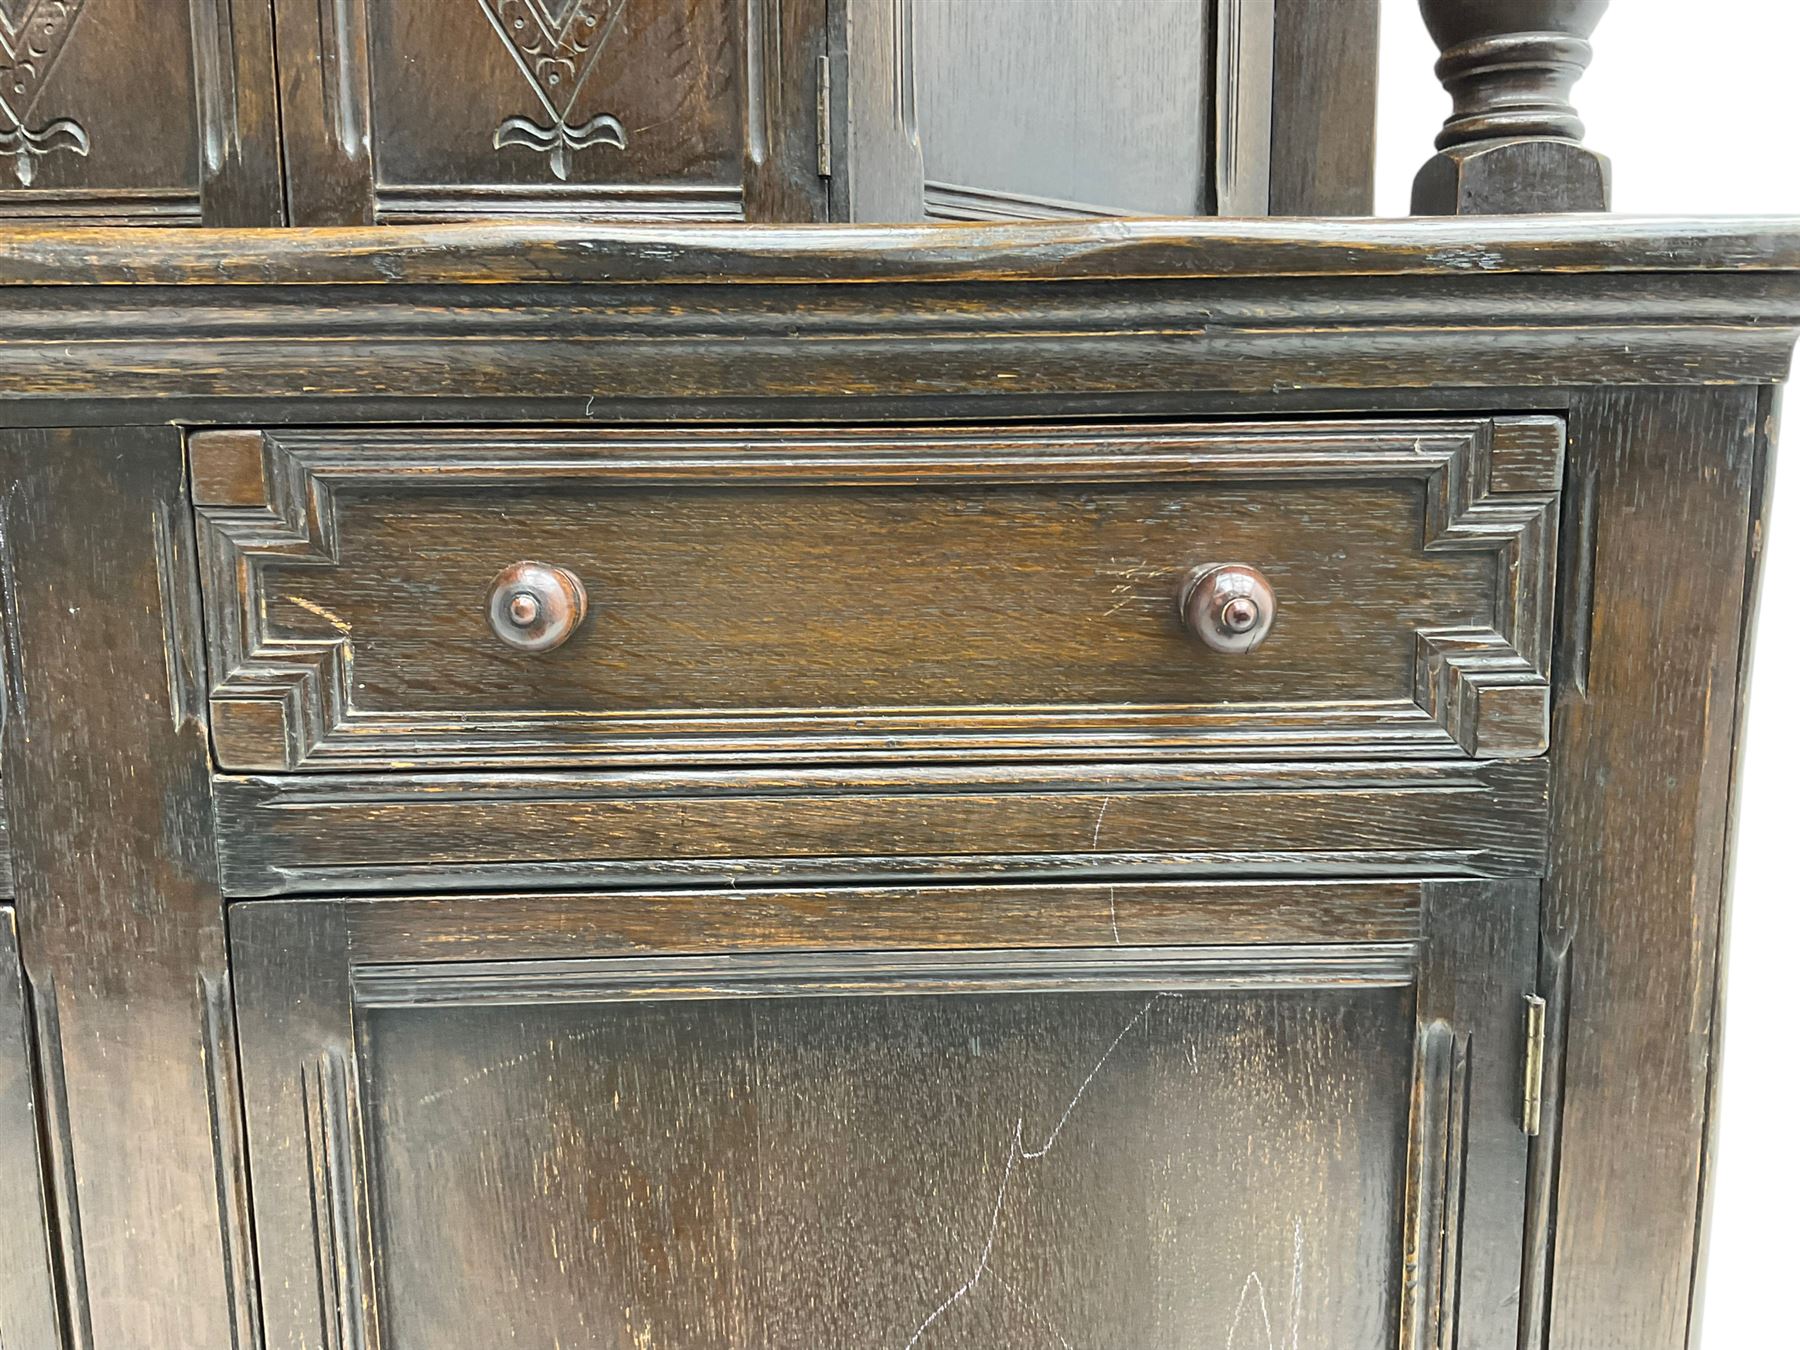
x: 345, y: 112
x: 1145, y: 785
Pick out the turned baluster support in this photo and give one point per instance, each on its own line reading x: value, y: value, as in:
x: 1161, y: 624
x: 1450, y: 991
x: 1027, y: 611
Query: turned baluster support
x: 1512, y: 143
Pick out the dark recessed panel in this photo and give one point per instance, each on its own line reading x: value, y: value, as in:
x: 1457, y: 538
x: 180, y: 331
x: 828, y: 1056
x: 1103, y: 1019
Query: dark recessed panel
x: 443, y: 109
x: 1127, y: 1168
x: 157, y: 112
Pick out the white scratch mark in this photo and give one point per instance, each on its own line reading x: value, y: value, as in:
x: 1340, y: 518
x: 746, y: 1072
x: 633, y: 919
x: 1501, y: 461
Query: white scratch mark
x: 1295, y: 1292
x: 1018, y: 1153
x: 1262, y: 1307
x: 1013, y: 1154
x: 1100, y: 820
x: 1093, y: 1073
x: 1032, y: 1308
x: 588, y: 411
x: 1112, y: 909
x: 510, y: 1062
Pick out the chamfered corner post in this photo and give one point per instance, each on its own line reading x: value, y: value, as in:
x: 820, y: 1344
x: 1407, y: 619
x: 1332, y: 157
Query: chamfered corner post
x: 1512, y: 143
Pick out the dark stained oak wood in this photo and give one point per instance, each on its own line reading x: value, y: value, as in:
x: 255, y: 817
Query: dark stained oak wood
x: 86, y: 137
x: 1322, y: 132
x: 121, y: 921
x: 622, y: 252
x: 936, y: 917
x: 840, y: 596
x: 394, y: 111
x: 1268, y: 1108
x: 29, y: 1313
x: 406, y: 110
x: 1638, y: 853
x: 1399, y: 307
x: 6, y: 881
x: 1367, y: 928
x: 350, y: 832
x: 1512, y: 143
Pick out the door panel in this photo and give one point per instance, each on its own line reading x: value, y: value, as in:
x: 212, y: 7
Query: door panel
x: 971, y: 1169
x: 748, y: 1145
x: 140, y: 112
x: 28, y: 1314
x: 433, y: 110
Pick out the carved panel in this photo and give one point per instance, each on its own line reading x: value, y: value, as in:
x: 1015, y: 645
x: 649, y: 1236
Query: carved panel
x: 138, y: 111
x: 441, y: 109
x: 955, y: 594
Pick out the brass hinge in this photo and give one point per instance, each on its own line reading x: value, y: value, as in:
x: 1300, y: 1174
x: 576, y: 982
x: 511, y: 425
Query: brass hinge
x: 824, y: 117
x: 1532, y: 1116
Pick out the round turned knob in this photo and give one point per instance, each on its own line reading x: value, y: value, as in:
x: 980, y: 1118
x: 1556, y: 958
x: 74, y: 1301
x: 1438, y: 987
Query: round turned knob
x: 1229, y: 607
x: 536, y: 607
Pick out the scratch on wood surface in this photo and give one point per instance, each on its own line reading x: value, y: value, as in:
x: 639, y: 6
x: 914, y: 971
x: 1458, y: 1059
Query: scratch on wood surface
x: 1262, y: 1307
x: 312, y: 608
x: 549, y: 1047
x: 1018, y: 1153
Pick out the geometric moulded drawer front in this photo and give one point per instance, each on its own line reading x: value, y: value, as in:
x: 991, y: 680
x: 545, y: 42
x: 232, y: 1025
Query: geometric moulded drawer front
x: 827, y: 595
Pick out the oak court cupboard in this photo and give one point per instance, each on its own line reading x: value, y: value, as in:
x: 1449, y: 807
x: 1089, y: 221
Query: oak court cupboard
x: 869, y: 673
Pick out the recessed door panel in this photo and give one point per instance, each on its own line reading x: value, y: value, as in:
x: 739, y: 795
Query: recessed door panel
x: 724, y: 1141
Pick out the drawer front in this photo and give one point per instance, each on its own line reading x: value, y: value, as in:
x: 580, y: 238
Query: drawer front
x: 848, y: 597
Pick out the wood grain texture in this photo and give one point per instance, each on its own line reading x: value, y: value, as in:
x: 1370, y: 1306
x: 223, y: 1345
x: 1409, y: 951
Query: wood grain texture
x: 1480, y: 959
x: 625, y: 253
x: 917, y: 595
x: 831, y: 1104
x: 29, y: 1313
x: 6, y: 879
x: 942, y: 917
x: 1322, y: 137
x: 409, y: 110
x: 346, y: 832
x: 88, y: 140
x: 1512, y: 142
x: 1638, y: 857
x: 120, y: 917
x: 1063, y: 107
x: 1427, y: 309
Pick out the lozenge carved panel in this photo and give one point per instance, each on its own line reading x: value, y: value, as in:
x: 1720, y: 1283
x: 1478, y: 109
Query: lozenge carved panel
x: 148, y: 112
x: 443, y: 109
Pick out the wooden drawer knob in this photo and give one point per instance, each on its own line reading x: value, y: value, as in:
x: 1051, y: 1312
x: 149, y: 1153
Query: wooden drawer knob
x: 536, y: 607
x: 1230, y: 607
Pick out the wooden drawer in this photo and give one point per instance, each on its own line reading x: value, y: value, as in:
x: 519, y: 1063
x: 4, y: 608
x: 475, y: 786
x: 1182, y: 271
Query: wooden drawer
x: 853, y: 596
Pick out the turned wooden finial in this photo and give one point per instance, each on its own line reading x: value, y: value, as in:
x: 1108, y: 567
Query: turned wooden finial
x: 1512, y: 142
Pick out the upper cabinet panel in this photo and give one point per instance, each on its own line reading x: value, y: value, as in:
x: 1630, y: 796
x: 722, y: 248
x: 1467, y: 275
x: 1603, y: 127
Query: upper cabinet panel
x: 444, y: 109
x: 138, y: 112
x: 1063, y: 107
x: 977, y: 110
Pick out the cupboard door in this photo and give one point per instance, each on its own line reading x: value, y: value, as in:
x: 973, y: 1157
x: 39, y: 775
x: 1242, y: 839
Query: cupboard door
x: 27, y: 1289
x: 1216, y: 1137
x: 140, y: 112
x: 406, y: 110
